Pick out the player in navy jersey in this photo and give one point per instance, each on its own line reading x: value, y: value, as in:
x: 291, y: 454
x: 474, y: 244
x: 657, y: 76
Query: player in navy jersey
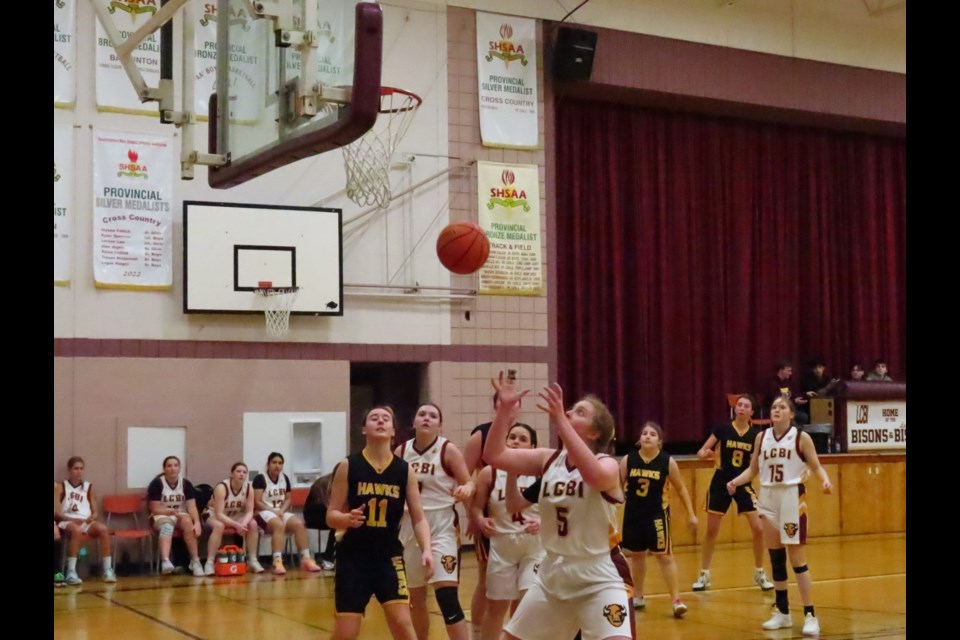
x: 734, y: 440
x: 645, y: 472
x: 782, y: 457
x: 367, y: 500
x: 75, y: 512
x: 584, y: 581
x: 173, y: 505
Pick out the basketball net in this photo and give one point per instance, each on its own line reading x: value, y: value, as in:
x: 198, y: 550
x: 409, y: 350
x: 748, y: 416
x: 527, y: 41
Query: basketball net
x: 278, y: 303
x: 367, y: 159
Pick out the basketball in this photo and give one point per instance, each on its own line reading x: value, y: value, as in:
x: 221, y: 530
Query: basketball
x: 463, y: 247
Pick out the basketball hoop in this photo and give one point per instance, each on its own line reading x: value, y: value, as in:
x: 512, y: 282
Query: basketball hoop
x: 278, y: 302
x: 367, y: 159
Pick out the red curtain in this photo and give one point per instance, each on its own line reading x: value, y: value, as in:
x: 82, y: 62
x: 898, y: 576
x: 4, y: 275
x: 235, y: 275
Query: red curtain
x: 694, y: 251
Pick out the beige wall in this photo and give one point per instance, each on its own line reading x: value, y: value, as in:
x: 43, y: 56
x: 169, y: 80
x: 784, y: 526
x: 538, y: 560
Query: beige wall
x: 96, y: 399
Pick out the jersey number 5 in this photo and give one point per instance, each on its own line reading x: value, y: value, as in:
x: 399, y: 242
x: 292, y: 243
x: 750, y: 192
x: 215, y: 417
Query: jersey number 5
x: 562, y: 521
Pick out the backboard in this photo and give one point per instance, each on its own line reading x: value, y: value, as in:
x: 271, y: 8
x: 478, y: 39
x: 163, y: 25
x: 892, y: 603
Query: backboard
x: 229, y: 249
x: 294, y: 90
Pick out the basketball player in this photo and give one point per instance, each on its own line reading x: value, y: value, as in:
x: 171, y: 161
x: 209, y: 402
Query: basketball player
x: 472, y: 455
x: 173, y: 505
x: 367, y: 499
x: 272, y: 493
x: 583, y: 581
x: 75, y: 512
x: 443, y: 479
x: 515, y: 549
x: 782, y: 457
x: 735, y: 441
x: 646, y: 514
x: 232, y: 506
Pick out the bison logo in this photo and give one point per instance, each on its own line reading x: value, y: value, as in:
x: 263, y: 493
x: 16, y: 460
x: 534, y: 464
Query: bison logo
x: 791, y: 528
x: 615, y: 614
x: 449, y: 563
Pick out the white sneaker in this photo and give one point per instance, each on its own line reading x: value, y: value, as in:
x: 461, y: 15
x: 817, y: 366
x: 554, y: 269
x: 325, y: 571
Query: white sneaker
x: 166, y: 568
x: 703, y: 581
x: 761, y: 579
x: 208, y: 567
x: 196, y: 568
x: 679, y: 609
x: 254, y: 565
x: 779, y: 621
x: 639, y: 602
x: 109, y: 575
x: 811, y: 626
x: 72, y: 579
x: 326, y: 565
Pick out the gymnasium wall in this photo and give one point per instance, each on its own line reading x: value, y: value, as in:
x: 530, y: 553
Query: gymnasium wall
x: 124, y: 357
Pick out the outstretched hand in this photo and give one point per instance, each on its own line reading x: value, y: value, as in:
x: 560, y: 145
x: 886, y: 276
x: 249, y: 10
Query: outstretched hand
x: 507, y: 392
x: 552, y: 396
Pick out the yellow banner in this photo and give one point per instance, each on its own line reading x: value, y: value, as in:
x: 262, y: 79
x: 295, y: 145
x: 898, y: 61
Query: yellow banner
x: 509, y: 205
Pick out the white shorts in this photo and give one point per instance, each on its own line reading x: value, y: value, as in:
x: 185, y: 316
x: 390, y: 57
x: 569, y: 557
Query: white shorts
x: 603, y: 614
x: 569, y: 577
x: 265, y: 517
x: 84, y: 527
x: 786, y: 508
x: 512, y: 565
x: 444, y: 542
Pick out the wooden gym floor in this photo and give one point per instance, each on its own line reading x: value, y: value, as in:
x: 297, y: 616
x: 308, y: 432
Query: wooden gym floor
x: 860, y: 592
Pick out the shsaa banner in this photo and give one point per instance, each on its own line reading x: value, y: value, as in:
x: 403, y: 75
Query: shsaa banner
x: 132, y: 210
x: 115, y: 92
x: 62, y: 203
x: 507, y: 76
x: 248, y: 65
x: 64, y: 53
x: 509, y: 205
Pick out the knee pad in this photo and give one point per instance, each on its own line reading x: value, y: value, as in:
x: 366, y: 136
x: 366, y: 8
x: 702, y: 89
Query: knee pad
x: 778, y: 561
x: 166, y: 530
x: 800, y: 569
x: 449, y: 604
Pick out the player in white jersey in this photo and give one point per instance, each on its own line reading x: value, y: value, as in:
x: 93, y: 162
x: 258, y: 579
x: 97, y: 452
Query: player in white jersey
x: 173, y: 505
x: 273, y: 502
x: 232, y: 506
x: 782, y: 457
x: 75, y: 512
x: 583, y: 582
x: 443, y: 480
x: 515, y: 549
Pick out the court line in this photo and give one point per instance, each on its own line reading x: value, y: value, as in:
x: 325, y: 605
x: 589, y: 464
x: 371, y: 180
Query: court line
x: 150, y: 617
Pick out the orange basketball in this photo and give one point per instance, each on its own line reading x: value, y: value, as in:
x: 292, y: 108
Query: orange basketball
x: 463, y: 247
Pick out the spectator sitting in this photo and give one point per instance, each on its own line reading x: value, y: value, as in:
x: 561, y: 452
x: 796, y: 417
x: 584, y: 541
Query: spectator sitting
x: 817, y: 382
x: 783, y: 385
x: 879, y: 373
x: 856, y: 372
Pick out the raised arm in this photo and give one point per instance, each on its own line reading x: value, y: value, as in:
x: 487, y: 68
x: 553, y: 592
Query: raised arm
x: 473, y: 451
x: 515, y: 499
x: 677, y: 481
x: 748, y: 474
x: 813, y: 461
x: 524, y: 462
x: 602, y: 474
x: 421, y: 528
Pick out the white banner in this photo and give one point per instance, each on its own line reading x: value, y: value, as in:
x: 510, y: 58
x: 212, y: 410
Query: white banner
x: 876, y: 425
x: 509, y: 205
x: 336, y: 22
x: 63, y: 163
x: 132, y: 210
x: 247, y: 63
x: 115, y: 92
x: 64, y: 53
x: 507, y: 74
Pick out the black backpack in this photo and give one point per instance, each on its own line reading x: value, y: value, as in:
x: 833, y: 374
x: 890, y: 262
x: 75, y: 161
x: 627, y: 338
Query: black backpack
x: 204, y: 493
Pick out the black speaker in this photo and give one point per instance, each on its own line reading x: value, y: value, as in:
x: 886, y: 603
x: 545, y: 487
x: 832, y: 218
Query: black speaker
x: 573, y: 54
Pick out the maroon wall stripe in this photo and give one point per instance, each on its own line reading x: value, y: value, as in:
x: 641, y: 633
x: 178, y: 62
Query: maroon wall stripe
x: 224, y: 350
